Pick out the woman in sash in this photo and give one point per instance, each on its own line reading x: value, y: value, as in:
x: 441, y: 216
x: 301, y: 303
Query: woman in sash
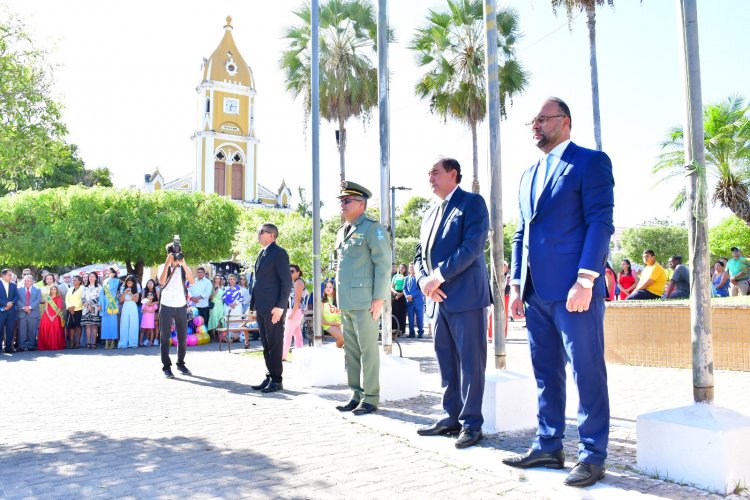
x: 109, y: 308
x: 91, y: 307
x: 51, y: 333
x: 49, y: 280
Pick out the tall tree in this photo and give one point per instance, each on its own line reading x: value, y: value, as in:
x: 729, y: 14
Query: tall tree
x: 727, y: 149
x: 588, y: 6
x: 30, y: 121
x: 348, y: 79
x: 451, y: 45
x: 104, y: 224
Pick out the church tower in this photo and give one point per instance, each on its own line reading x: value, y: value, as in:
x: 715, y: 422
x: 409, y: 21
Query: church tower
x: 225, y: 142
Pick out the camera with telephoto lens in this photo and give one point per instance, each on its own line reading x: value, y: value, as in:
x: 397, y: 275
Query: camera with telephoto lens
x: 176, y: 249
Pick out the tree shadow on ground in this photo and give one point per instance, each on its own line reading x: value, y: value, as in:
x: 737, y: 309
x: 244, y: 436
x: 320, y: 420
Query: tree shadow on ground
x: 97, y: 465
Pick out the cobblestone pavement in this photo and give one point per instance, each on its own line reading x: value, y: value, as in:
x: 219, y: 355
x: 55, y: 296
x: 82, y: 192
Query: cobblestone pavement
x: 107, y: 424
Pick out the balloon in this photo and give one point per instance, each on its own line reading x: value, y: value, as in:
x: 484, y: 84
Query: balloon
x: 194, y: 311
x: 204, y: 339
x: 172, y: 326
x: 174, y: 340
x: 202, y: 329
x: 189, y: 330
x: 192, y: 340
x: 198, y: 320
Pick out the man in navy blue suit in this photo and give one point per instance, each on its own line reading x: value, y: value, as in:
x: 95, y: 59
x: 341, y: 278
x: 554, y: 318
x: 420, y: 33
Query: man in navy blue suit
x: 414, y: 304
x: 559, y: 253
x: 452, y: 274
x: 8, y: 299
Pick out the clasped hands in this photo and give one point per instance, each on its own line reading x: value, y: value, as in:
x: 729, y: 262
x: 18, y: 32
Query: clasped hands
x: 431, y: 288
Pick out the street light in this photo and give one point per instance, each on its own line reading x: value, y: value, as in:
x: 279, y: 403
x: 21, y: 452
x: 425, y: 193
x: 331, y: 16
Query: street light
x: 393, y: 219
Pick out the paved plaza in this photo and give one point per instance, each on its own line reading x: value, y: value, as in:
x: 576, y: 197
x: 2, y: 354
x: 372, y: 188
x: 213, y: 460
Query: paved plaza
x: 81, y: 424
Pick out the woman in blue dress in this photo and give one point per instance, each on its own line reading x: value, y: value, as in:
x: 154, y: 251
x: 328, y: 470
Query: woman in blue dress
x: 110, y: 308
x: 129, y: 324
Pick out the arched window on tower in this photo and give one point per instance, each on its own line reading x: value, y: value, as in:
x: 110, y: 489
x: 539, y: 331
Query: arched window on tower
x: 238, y: 176
x: 220, y: 173
x: 208, y: 105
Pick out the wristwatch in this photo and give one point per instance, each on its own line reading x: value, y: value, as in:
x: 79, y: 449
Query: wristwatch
x: 585, y: 282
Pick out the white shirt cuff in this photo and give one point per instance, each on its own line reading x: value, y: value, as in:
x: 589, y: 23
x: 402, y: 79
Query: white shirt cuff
x: 436, y: 273
x: 588, y: 271
x: 515, y: 282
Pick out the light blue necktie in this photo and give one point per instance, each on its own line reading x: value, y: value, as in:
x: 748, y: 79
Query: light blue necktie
x: 539, y: 186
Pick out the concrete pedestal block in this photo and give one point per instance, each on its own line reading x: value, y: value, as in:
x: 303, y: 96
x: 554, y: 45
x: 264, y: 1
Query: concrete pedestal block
x: 319, y: 366
x: 509, y: 402
x: 700, y: 444
x: 399, y: 378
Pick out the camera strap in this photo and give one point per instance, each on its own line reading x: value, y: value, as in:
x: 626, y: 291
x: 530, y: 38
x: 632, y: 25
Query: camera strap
x: 170, y: 273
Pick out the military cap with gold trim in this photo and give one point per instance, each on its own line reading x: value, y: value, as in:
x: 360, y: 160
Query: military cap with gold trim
x: 349, y: 188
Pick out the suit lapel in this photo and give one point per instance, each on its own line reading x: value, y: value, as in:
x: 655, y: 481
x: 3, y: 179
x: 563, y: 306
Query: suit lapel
x: 563, y: 165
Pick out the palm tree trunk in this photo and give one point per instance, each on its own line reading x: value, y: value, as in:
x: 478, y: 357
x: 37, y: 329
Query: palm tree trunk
x: 591, y: 23
x: 342, y: 149
x: 475, y: 159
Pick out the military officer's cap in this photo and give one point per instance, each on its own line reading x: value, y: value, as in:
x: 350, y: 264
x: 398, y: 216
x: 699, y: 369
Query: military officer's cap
x: 349, y: 188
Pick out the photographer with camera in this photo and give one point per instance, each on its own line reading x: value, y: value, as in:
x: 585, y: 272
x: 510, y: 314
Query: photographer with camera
x: 172, y: 276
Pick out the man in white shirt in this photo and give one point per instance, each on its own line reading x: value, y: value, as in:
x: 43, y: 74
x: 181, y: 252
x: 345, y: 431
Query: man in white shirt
x: 200, y: 291
x: 173, y: 308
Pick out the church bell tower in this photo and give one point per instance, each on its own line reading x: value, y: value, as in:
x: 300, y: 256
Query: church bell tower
x: 225, y: 141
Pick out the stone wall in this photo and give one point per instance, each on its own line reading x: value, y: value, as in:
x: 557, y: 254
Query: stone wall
x: 658, y: 334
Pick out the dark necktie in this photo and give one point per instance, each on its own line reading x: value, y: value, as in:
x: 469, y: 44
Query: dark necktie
x: 28, y: 296
x: 260, y: 257
x: 433, y: 233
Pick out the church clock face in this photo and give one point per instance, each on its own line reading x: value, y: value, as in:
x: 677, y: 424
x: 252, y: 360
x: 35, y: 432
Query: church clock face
x: 231, y: 106
x: 231, y: 67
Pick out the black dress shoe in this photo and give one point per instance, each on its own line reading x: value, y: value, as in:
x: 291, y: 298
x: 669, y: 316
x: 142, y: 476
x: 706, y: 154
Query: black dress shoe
x: 272, y: 387
x: 468, y: 437
x: 364, y: 408
x: 168, y: 373
x: 351, y: 405
x: 584, y: 474
x: 537, y: 458
x: 262, y: 385
x: 183, y: 369
x: 438, y: 429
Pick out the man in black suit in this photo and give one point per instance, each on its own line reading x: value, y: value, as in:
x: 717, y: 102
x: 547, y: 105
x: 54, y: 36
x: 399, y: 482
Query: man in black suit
x: 269, y: 300
x: 8, y: 299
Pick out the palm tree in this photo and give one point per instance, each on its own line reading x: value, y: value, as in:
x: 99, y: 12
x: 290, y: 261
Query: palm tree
x: 588, y: 6
x: 452, y: 46
x: 348, y: 79
x: 727, y: 143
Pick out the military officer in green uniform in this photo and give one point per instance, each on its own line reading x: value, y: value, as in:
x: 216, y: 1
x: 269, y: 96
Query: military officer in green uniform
x: 363, y: 284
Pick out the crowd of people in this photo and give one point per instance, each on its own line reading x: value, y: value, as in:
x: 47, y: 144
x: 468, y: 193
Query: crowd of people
x: 729, y: 277
x: 92, y: 310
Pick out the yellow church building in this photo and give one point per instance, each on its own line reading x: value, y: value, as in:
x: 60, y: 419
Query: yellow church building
x: 225, y: 141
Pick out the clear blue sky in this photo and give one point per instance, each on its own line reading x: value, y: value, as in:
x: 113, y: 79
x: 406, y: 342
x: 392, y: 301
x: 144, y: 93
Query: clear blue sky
x: 126, y: 73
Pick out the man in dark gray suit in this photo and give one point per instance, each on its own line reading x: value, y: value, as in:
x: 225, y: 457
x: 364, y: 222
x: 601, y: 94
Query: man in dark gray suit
x: 27, y: 312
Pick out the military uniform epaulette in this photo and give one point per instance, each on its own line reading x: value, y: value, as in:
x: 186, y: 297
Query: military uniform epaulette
x: 371, y: 219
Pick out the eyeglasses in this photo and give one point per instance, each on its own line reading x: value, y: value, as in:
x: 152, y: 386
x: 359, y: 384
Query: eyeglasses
x: 292, y: 271
x: 541, y: 120
x: 261, y: 231
x: 346, y: 201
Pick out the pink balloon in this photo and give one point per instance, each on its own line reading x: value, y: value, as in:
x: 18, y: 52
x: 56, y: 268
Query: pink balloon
x: 174, y: 340
x: 192, y: 340
x: 198, y: 320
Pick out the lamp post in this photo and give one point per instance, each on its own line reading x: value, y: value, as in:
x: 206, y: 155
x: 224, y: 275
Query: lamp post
x: 393, y: 219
